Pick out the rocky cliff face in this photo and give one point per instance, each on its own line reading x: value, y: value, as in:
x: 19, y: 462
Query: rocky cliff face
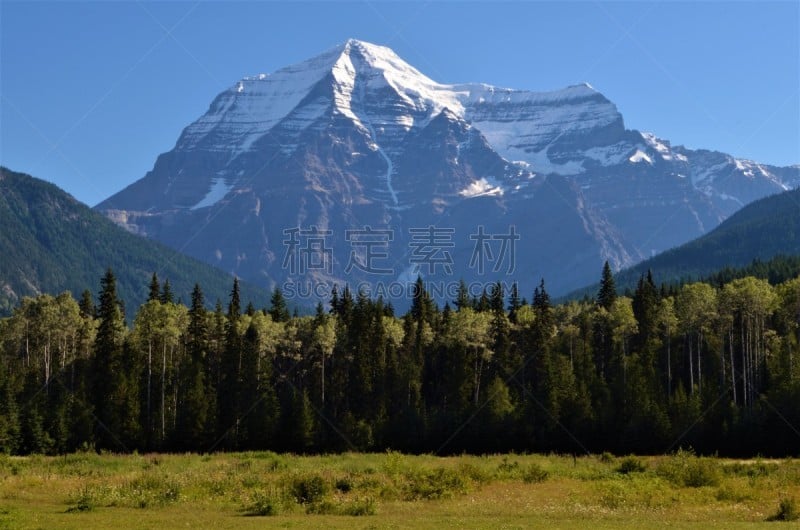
x: 357, y: 140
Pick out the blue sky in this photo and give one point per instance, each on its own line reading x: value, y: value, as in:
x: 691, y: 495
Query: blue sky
x: 92, y: 92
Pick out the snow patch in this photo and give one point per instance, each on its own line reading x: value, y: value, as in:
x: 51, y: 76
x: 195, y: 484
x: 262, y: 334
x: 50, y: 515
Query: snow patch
x: 702, y: 176
x: 485, y: 186
x: 219, y: 189
x: 640, y: 156
x: 655, y: 143
x: 541, y: 163
x: 663, y: 147
x: 745, y: 166
x: 610, y: 155
x: 726, y: 197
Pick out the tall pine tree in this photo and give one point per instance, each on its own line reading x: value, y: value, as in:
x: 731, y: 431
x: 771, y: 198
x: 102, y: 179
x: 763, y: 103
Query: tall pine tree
x: 110, y: 374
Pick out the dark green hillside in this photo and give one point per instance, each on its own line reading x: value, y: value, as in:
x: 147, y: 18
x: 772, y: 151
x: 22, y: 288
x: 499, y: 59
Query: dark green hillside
x: 755, y: 234
x: 50, y: 242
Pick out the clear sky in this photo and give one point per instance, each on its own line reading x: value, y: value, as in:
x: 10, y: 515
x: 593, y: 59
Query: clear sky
x: 92, y: 92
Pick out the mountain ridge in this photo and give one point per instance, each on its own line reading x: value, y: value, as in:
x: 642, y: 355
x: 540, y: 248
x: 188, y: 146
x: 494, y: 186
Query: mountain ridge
x: 344, y: 139
x: 762, y: 230
x: 51, y: 243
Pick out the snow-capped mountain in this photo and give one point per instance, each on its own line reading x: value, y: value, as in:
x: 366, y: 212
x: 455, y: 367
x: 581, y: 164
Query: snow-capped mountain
x: 357, y: 139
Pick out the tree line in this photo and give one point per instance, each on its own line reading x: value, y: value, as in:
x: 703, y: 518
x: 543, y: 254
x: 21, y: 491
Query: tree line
x: 712, y: 367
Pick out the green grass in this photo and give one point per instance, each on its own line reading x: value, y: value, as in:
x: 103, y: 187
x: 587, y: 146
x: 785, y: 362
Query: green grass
x: 392, y: 490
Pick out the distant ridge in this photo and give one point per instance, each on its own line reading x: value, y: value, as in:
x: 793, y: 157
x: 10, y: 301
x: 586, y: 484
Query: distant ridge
x: 50, y: 243
x: 758, y: 232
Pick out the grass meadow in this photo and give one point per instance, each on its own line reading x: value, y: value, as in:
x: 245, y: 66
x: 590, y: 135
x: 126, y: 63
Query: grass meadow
x: 391, y: 490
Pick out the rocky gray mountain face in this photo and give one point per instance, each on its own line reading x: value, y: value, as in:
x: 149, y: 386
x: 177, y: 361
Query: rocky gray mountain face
x: 355, y: 167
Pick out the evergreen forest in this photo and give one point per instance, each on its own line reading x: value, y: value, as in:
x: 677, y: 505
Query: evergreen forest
x: 714, y: 367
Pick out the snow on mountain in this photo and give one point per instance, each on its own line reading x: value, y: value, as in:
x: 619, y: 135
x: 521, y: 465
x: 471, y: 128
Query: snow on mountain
x: 485, y: 186
x: 245, y: 112
x: 219, y: 188
x: 640, y: 156
x: 523, y: 125
x: 518, y: 124
x: 357, y: 136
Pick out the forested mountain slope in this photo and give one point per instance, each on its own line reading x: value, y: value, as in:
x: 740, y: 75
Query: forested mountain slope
x: 50, y: 242
x: 758, y: 232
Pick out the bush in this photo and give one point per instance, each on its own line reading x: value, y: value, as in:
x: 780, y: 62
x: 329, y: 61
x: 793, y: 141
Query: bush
x: 83, y: 502
x: 606, y: 457
x: 787, y: 511
x: 687, y: 470
x: 309, y: 489
x: 474, y: 473
x: 146, y: 490
x: 266, y: 503
x: 344, y: 484
x: 701, y: 472
x: 359, y: 507
x: 733, y: 494
x: 323, y: 507
x: 751, y: 470
x: 508, y: 468
x: 534, y: 474
x: 631, y: 464
x: 395, y: 463
x: 439, y: 483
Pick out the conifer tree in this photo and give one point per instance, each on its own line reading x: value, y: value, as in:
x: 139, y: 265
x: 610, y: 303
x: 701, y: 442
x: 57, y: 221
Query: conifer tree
x: 259, y: 412
x: 278, y: 309
x: 645, y: 309
x: 514, y: 303
x: 334, y: 300
x: 155, y: 289
x: 110, y: 380
x: 10, y: 435
x: 192, y: 420
x: 86, y: 305
x: 166, y: 293
x: 462, y: 297
x: 608, y: 291
x: 229, y: 389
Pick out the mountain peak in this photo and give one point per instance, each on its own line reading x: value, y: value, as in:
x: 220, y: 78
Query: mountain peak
x: 358, y: 137
x: 366, y: 47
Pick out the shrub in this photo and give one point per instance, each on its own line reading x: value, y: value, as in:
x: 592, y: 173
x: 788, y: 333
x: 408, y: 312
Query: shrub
x: 474, y: 473
x: 701, y: 472
x: 359, y: 507
x: 309, y: 489
x: 273, y: 461
x: 787, y: 511
x: 534, y: 474
x: 439, y: 483
x: 686, y: 469
x: 752, y: 470
x: 613, y: 496
x: 395, y: 463
x: 265, y: 503
x: 733, y: 494
x: 148, y: 490
x: 508, y: 468
x: 83, y: 502
x: 631, y: 464
x: 606, y: 457
x: 344, y: 484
